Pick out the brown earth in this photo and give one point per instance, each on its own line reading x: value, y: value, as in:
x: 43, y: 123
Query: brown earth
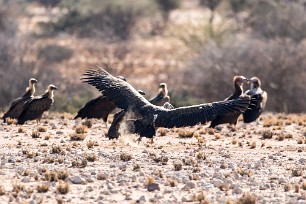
x: 263, y: 162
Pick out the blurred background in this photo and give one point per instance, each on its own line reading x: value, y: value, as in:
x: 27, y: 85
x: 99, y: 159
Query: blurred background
x: 196, y: 46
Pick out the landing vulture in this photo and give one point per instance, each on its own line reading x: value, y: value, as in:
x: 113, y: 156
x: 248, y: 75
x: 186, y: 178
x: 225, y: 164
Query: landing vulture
x: 232, y: 117
x: 258, y: 101
x: 146, y: 117
x: 16, y: 106
x: 35, y: 107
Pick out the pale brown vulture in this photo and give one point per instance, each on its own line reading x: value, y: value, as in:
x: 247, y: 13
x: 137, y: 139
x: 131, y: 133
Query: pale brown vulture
x: 162, y: 96
x: 35, y: 107
x: 16, y: 106
x: 146, y: 117
x: 258, y: 101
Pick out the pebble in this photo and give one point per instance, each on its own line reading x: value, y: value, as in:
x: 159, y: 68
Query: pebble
x: 282, y: 180
x: 142, y: 198
x: 11, y: 160
x: 77, y: 180
x: 25, y: 179
x: 32, y: 202
x: 237, y: 189
x: 59, y: 132
x: 153, y: 187
x: 189, y: 185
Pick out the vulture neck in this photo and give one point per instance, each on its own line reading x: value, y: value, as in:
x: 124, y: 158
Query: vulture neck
x: 164, y: 92
x: 31, y: 89
x: 49, y: 93
x: 255, y: 89
x: 238, y: 89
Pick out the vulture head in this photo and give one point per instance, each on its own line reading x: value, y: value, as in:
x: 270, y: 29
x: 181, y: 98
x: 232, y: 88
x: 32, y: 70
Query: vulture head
x: 163, y: 88
x: 32, y: 81
x: 255, y: 82
x: 239, y: 80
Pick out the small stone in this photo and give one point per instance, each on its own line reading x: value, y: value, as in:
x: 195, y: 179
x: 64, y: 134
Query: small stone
x: 59, y: 132
x: 77, y: 180
x: 282, y: 180
x: 153, y: 187
x: 189, y: 185
x: 142, y: 198
x: 33, y: 202
x: 26, y: 179
x: 237, y: 189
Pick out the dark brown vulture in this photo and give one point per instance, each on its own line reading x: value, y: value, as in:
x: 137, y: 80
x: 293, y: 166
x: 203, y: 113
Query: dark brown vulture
x: 162, y: 96
x: 35, y: 107
x: 99, y: 108
x: 162, y: 99
x: 258, y: 101
x: 145, y: 117
x: 16, y: 106
x: 233, y: 117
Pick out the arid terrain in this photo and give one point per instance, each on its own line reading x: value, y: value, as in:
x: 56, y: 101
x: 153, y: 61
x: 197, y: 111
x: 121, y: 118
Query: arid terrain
x: 67, y: 161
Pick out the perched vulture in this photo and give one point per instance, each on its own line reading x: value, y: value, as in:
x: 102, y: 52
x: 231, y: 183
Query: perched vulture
x: 232, y: 117
x: 99, y: 107
x: 35, y: 107
x: 258, y: 101
x: 162, y: 96
x: 16, y: 106
x: 146, y: 117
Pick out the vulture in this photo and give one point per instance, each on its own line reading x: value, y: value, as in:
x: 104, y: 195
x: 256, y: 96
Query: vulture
x: 231, y: 118
x: 16, y: 106
x: 258, y: 101
x: 99, y: 107
x: 35, y: 107
x: 162, y: 99
x: 162, y: 96
x: 143, y: 118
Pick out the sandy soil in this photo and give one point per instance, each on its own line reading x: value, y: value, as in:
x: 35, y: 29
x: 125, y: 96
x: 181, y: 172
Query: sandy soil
x: 193, y: 164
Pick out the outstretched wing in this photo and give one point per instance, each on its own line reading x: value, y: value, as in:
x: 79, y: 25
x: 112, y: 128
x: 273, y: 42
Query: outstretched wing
x: 34, y: 109
x: 121, y: 93
x: 192, y: 115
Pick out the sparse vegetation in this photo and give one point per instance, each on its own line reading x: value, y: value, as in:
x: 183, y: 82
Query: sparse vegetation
x: 63, y: 187
x: 178, y: 166
x: 42, y: 188
x: 41, y: 129
x: 35, y: 134
x: 125, y: 156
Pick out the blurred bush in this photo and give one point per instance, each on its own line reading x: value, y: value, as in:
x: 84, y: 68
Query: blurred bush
x: 105, y: 19
x: 54, y: 53
x: 280, y: 64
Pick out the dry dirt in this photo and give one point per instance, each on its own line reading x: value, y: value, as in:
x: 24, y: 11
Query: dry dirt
x: 254, y: 163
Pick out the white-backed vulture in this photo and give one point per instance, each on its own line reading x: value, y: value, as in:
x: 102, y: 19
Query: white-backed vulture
x: 16, y: 106
x: 258, y: 101
x: 162, y: 96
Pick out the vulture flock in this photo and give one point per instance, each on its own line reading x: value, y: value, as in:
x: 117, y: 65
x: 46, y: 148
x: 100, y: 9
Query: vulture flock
x: 142, y: 116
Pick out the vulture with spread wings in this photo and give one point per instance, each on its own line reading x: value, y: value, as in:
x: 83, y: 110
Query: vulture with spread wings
x: 146, y: 117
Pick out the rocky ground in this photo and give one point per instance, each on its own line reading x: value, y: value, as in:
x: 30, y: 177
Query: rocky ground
x: 67, y: 161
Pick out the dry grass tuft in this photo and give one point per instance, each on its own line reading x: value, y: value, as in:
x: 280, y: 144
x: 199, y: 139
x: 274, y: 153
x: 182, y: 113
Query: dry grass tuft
x: 304, y: 185
x: 31, y: 154
x: 253, y: 145
x: 200, y: 197
x: 41, y: 129
x: 56, y: 149
x: 47, y: 137
x: 35, y: 134
x: 62, y: 174
x: 87, y: 123
x: 201, y: 155
x: 178, y: 166
x: 125, y: 156
x: 21, y: 130
x: 185, y: 133
x: 287, y: 187
x: 210, y: 131
x: 267, y: 134
x: 63, y: 187
x: 297, y: 172
x: 149, y: 180
x: 10, y: 121
x: 17, y: 187
x: 77, y: 137
x: 81, y: 129
x: 163, y: 131
x: 172, y: 182
x: 42, y: 188
x: 243, y: 171
x: 247, y: 198
x: 91, y: 157
x: 91, y: 143
x: 136, y: 167
x: 2, y: 191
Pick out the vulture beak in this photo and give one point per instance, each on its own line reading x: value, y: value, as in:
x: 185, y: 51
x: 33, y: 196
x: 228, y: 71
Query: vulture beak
x: 141, y: 92
x: 54, y: 88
